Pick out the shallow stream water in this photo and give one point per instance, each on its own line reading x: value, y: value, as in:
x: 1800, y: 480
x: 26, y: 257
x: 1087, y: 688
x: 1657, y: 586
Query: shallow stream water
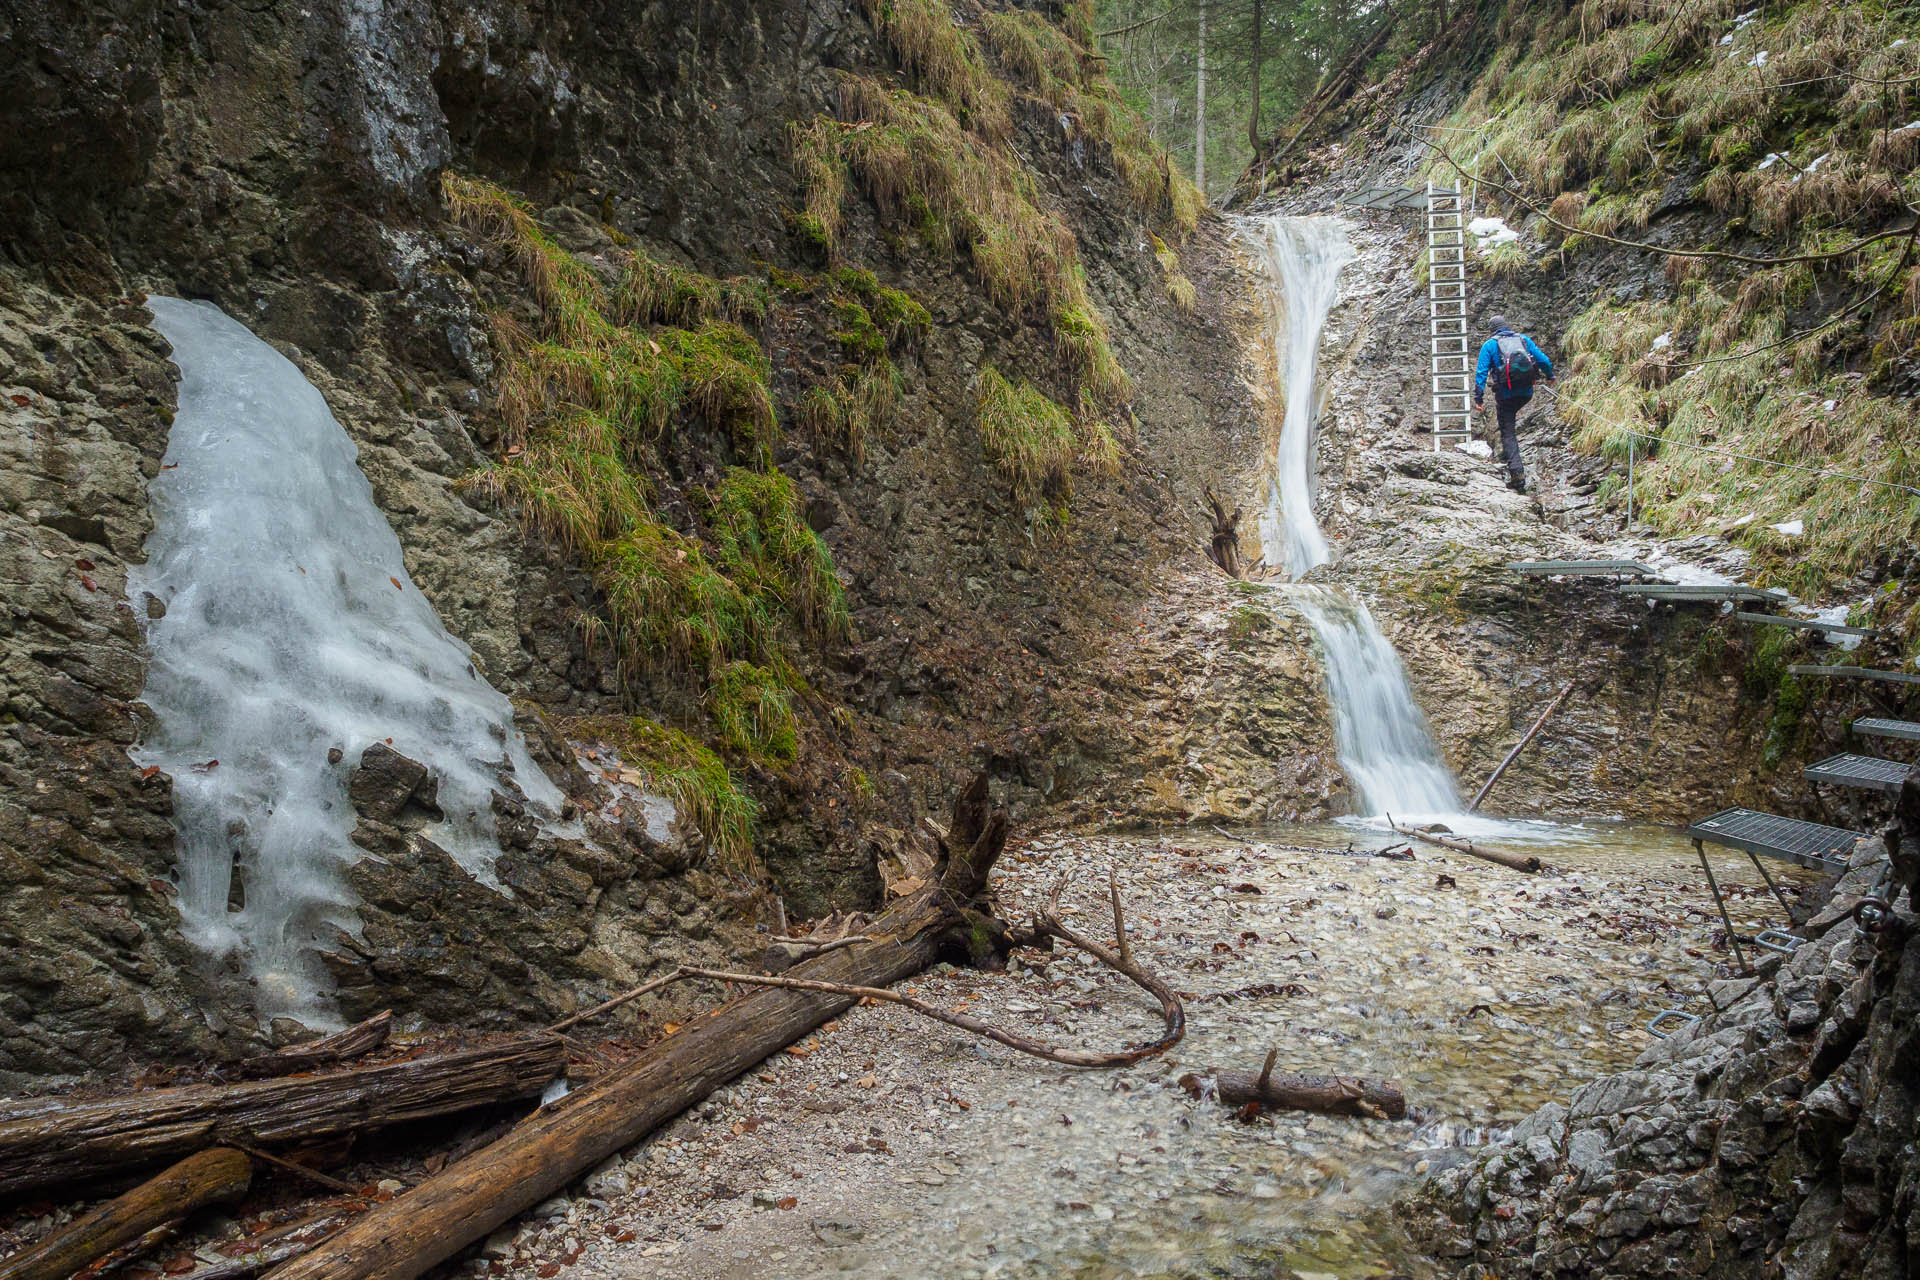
x: 1485, y: 997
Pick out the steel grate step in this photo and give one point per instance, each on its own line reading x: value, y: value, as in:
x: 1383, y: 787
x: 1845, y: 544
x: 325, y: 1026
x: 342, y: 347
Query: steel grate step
x: 1868, y: 773
x: 1806, y: 844
x: 1881, y: 727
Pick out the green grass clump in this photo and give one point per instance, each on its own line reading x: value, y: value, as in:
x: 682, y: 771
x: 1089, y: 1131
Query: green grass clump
x: 851, y: 405
x: 859, y: 337
x: 752, y: 708
x: 652, y: 292
x: 901, y: 318
x: 1034, y: 441
x: 1179, y: 288
x: 1507, y: 261
x: 587, y: 396
x: 674, y: 765
x: 762, y: 540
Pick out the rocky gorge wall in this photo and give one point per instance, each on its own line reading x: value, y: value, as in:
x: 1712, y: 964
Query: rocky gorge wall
x: 1775, y: 1137
x: 287, y: 165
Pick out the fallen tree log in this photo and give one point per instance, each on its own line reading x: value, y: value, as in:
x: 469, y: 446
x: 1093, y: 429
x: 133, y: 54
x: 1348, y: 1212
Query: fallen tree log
x: 1287, y: 1091
x: 64, y: 1142
x: 555, y: 1147
x: 207, y: 1177
x: 342, y: 1046
x: 1506, y: 858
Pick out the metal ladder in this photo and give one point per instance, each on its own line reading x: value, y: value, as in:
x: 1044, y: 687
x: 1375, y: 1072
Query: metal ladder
x: 1447, y: 300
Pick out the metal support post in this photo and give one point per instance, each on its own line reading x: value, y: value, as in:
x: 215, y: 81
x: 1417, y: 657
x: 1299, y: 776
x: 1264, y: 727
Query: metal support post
x: 1732, y: 937
x: 1771, y: 885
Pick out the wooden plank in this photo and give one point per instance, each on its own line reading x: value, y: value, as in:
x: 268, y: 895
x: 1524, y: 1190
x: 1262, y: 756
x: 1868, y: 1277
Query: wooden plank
x: 63, y: 1142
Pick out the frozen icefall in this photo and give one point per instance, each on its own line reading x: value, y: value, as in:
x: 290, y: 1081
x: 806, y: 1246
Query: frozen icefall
x: 293, y: 640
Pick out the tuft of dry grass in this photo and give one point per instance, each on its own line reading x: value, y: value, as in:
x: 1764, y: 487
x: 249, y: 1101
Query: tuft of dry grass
x: 944, y: 62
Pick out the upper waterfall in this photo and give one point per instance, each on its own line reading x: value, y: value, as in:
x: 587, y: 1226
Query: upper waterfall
x: 1385, y: 748
x: 1303, y: 258
x: 293, y: 640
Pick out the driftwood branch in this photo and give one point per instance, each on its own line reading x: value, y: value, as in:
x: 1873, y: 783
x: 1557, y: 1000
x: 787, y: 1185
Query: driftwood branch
x: 1521, y: 745
x: 207, y: 1177
x: 1223, y: 547
x: 1285, y: 1091
x: 1121, y: 960
x: 409, y: 1234
x: 1506, y: 858
x: 608, y: 1006
x: 276, y: 1247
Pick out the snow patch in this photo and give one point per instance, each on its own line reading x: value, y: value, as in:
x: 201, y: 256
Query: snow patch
x: 1791, y: 528
x: 1488, y: 232
x: 293, y: 640
x: 1773, y: 158
x: 1758, y: 60
x: 1664, y: 341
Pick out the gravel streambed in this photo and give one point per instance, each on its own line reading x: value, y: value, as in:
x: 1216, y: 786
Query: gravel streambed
x: 887, y: 1145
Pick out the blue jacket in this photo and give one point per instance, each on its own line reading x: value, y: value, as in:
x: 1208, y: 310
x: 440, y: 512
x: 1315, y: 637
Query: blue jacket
x: 1490, y: 351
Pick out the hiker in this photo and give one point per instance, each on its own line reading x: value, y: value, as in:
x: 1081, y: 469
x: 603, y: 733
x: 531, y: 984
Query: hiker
x: 1514, y: 363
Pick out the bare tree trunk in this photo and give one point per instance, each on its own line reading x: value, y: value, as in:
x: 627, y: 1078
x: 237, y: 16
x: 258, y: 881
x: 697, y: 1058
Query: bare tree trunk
x: 1253, y: 114
x: 1200, y: 105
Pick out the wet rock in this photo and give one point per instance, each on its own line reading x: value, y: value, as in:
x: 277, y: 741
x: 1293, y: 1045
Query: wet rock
x: 390, y: 787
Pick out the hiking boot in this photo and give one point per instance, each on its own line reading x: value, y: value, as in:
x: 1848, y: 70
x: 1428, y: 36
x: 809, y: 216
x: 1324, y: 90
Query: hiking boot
x: 1517, y: 482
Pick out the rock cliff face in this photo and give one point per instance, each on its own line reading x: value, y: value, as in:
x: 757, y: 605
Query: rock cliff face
x: 286, y: 164
x: 1773, y: 1138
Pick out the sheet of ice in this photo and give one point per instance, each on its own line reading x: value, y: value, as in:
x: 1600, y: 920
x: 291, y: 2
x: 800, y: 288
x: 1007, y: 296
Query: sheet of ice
x: 1811, y: 167
x: 293, y: 640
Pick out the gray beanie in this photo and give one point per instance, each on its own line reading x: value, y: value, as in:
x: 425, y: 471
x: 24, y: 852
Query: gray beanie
x: 1497, y: 323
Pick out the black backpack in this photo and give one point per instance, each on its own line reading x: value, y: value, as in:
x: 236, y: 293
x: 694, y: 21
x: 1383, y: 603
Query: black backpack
x: 1516, y: 365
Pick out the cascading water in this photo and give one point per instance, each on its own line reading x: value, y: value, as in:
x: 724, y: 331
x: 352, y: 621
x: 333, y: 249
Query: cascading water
x: 1303, y: 258
x: 292, y: 641
x: 1385, y: 749
x: 1384, y: 745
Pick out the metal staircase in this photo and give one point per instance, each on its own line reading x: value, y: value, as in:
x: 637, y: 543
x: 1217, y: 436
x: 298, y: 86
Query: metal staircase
x: 1447, y: 300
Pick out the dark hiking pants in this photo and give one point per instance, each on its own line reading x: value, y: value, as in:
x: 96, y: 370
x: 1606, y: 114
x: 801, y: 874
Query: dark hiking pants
x: 1506, y: 411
